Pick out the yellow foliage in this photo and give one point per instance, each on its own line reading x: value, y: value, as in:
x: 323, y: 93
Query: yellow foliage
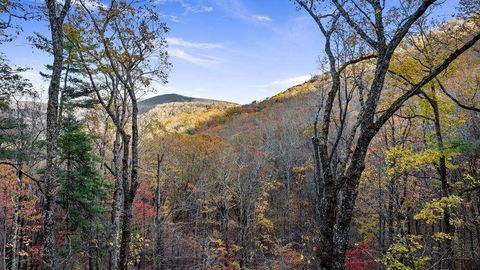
x: 440, y: 236
x: 401, y: 160
x: 434, y: 210
x: 403, y: 255
x: 294, y: 91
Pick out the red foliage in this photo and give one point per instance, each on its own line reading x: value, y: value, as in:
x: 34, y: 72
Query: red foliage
x: 144, y: 210
x: 361, y: 257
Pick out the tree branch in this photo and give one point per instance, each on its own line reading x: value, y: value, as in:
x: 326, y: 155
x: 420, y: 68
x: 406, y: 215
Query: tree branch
x: 37, y: 181
x: 461, y: 105
x: 354, y: 25
x: 355, y: 61
x: 415, y: 90
x: 405, y: 27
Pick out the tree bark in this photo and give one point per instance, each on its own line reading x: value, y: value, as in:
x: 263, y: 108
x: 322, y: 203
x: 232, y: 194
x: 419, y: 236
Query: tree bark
x: 130, y: 188
x: 159, y: 248
x: 116, y: 204
x: 445, y: 186
x: 56, y: 20
x: 16, y: 213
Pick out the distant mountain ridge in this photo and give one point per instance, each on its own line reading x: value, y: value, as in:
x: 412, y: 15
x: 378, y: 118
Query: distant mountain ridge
x: 150, y: 103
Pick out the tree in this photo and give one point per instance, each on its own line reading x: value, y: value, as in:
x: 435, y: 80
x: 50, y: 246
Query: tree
x: 12, y: 83
x: 57, y: 13
x: 82, y: 191
x: 159, y: 219
x: 359, y: 31
x: 121, y: 47
x: 11, y: 11
x: 20, y: 131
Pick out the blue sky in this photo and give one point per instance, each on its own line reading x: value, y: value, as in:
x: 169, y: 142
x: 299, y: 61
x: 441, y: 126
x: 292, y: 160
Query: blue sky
x: 239, y: 50
x: 234, y: 50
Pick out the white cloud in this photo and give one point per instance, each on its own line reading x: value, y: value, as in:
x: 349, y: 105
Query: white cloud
x: 36, y: 79
x: 205, y: 61
x: 292, y: 81
x: 173, y: 41
x: 192, y: 51
x: 173, y: 18
x: 92, y: 4
x: 234, y: 8
x: 282, y: 84
x: 262, y: 18
x: 207, y: 9
x: 189, y: 7
x: 159, y: 89
x: 237, y: 9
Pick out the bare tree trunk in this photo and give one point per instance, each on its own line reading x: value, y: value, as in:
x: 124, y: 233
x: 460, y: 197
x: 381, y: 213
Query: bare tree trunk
x: 131, y: 188
x: 381, y: 220
x: 114, y: 248
x: 4, y: 236
x: 390, y: 214
x: 442, y: 171
x: 159, y: 248
x: 56, y: 19
x: 16, y: 216
x: 122, y: 261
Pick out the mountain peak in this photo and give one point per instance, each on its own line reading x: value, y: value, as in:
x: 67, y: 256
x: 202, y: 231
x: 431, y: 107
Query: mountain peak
x: 150, y: 103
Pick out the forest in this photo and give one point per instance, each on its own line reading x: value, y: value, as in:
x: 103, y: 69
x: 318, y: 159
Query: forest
x: 373, y: 163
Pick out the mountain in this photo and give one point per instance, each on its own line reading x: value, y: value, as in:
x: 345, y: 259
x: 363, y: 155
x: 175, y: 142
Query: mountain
x: 174, y: 113
x: 293, y: 108
x: 177, y: 113
x: 150, y: 103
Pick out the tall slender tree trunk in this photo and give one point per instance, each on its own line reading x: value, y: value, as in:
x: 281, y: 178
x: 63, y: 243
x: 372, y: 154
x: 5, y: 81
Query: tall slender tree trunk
x: 130, y: 188
x: 4, y: 238
x: 52, y: 135
x: 117, y: 203
x: 56, y: 20
x: 16, y: 214
x: 123, y: 247
x: 390, y: 210
x: 159, y: 248
x: 442, y: 170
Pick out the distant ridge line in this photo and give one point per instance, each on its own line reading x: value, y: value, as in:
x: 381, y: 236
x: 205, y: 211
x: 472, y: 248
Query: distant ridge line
x: 150, y: 103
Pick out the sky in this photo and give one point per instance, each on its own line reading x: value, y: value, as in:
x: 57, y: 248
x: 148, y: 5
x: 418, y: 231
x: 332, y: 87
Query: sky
x: 232, y: 50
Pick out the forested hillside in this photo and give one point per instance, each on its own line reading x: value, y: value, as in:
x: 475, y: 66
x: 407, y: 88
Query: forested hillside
x: 374, y: 163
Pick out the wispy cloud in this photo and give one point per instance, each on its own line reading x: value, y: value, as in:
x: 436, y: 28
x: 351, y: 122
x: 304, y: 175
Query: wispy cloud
x: 203, y: 60
x: 35, y: 78
x: 92, y: 4
x: 284, y: 83
x: 190, y: 7
x: 262, y: 18
x: 179, y: 42
x: 173, y: 18
x: 292, y: 81
x: 237, y: 9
